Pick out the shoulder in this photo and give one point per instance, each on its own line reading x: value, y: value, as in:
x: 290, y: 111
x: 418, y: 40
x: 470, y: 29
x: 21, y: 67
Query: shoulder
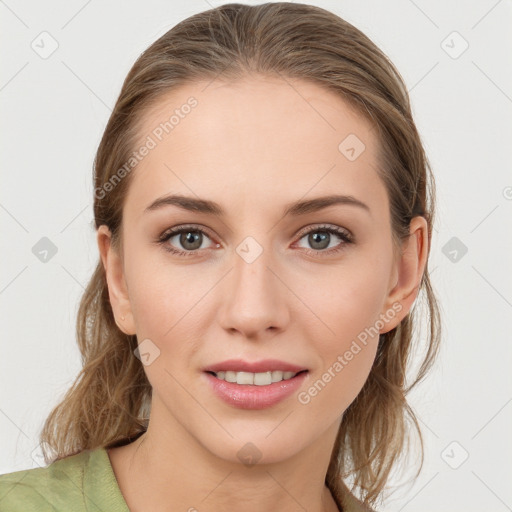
x: 47, y: 488
x: 84, y: 481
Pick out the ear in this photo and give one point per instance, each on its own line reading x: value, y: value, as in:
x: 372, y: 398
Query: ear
x: 117, y: 289
x: 407, y: 274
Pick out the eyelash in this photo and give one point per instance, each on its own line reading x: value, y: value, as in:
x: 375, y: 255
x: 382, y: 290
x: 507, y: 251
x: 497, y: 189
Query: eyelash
x: 342, y: 233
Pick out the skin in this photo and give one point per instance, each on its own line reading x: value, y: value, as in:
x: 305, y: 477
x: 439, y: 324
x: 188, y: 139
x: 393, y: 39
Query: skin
x: 252, y: 146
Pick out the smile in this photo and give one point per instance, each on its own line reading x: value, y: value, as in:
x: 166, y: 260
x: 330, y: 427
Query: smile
x: 256, y: 379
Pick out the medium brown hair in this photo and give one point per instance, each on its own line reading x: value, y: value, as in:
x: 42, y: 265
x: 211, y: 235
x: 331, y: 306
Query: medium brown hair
x: 108, y: 403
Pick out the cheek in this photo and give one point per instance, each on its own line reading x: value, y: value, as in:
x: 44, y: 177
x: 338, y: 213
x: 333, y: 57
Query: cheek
x: 349, y: 298
x: 346, y: 355
x: 350, y: 303
x: 166, y: 300
x: 160, y: 292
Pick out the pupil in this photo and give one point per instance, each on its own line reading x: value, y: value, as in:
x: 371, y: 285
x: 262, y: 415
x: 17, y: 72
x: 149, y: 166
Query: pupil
x: 319, y: 237
x: 190, y: 237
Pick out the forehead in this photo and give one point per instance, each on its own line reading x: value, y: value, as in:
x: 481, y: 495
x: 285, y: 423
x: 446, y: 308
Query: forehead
x: 252, y: 139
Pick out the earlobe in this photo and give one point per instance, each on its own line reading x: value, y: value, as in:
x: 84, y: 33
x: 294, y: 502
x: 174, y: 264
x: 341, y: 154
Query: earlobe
x: 117, y: 290
x: 409, y: 271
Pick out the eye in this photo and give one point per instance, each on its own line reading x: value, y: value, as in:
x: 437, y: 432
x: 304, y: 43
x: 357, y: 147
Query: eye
x: 320, y: 238
x: 190, y: 238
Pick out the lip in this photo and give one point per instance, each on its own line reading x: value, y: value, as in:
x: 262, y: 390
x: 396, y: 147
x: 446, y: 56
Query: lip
x: 239, y: 365
x: 245, y: 396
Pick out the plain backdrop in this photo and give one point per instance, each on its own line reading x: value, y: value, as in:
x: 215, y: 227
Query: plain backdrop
x: 62, y: 66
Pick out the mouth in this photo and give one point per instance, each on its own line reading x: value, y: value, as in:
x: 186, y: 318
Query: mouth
x: 255, y: 379
x: 254, y: 385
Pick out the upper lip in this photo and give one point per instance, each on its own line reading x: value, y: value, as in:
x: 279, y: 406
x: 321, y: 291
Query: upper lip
x: 238, y: 365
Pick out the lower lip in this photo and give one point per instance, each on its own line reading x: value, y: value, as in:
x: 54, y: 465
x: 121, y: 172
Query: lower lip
x: 245, y: 396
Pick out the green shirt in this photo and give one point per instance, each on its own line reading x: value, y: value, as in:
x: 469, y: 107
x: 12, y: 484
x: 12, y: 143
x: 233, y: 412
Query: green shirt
x: 83, y: 482
x: 79, y: 483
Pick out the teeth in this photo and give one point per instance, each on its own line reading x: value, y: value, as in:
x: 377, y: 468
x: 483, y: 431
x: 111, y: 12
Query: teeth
x: 257, y: 379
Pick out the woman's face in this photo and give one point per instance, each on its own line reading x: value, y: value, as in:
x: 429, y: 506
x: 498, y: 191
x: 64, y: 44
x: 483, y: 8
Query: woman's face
x: 258, y: 277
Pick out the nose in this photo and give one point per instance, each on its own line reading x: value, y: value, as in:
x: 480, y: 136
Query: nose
x: 255, y: 304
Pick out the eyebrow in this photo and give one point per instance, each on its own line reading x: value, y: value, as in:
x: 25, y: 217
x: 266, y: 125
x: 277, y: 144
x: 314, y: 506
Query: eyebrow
x: 295, y: 209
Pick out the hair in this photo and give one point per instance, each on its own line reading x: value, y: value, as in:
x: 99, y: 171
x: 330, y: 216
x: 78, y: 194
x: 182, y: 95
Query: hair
x: 107, y: 405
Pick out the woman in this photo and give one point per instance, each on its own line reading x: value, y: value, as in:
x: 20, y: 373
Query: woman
x: 264, y: 210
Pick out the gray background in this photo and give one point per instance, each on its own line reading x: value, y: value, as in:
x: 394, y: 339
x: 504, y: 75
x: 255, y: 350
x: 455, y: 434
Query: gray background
x: 55, y: 107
